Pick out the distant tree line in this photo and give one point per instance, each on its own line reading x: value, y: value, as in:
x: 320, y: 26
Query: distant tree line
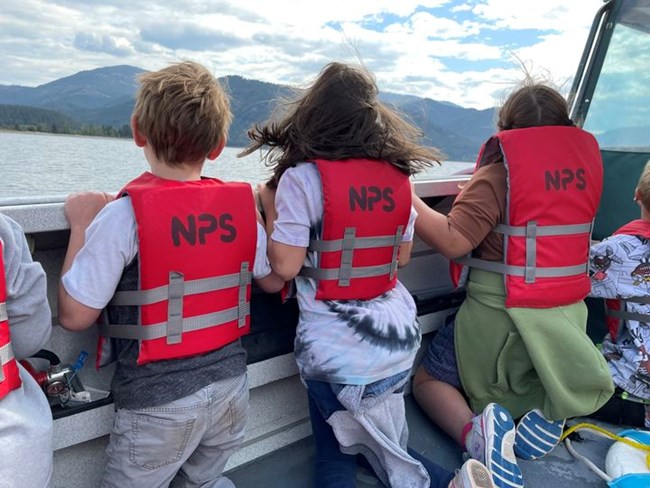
x: 24, y: 118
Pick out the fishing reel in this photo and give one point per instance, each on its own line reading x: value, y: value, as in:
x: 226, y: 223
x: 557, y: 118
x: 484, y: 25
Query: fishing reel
x: 59, y: 382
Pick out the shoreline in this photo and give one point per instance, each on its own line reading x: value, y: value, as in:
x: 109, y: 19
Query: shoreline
x: 64, y: 134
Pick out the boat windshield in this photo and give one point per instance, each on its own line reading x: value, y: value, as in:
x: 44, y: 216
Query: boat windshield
x: 617, y: 112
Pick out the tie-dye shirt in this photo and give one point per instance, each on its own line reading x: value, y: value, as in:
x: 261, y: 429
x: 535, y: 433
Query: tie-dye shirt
x: 353, y: 342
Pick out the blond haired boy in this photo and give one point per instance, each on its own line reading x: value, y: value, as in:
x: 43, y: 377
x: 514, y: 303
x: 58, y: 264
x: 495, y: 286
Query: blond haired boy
x: 170, y: 262
x: 620, y: 273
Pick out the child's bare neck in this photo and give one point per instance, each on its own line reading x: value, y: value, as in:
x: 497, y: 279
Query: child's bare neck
x: 645, y: 214
x: 183, y: 172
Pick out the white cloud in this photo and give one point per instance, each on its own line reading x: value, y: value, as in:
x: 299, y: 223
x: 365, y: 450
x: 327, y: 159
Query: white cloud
x: 422, y: 47
x: 108, y: 44
x: 425, y: 25
x: 555, y: 15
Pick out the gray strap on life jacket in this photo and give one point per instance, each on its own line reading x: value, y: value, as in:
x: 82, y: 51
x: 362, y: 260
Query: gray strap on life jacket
x: 6, y: 355
x: 545, y: 230
x: 358, y: 272
x: 6, y: 352
x: 243, y: 306
x: 347, y: 246
x: 625, y: 315
x: 531, y: 251
x: 347, y: 253
x: 359, y: 242
x: 498, y: 267
x: 397, y: 242
x: 161, y: 293
x: 641, y: 300
x: 530, y: 271
x: 156, y: 331
x: 174, y: 292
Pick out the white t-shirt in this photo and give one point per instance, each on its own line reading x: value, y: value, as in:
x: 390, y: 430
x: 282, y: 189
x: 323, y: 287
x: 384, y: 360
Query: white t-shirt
x: 111, y: 244
x: 353, y: 342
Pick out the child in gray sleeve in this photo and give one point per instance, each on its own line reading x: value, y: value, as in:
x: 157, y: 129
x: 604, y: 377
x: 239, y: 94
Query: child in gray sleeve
x: 25, y: 416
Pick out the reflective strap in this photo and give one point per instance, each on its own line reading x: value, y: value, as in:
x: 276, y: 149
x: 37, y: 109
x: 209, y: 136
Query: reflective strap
x: 193, y: 287
x: 6, y: 355
x: 333, y: 273
x: 359, y: 243
x: 625, y: 315
x: 531, y: 231
x: 531, y: 251
x: 642, y: 300
x: 175, y: 307
x: 397, y: 241
x: 3, y: 312
x: 544, y: 230
x: 156, y: 331
x: 497, y: 267
x: 347, y: 253
x: 348, y: 245
x: 244, y: 281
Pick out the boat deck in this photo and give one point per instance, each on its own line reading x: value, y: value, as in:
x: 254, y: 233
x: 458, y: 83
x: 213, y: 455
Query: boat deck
x: 291, y: 467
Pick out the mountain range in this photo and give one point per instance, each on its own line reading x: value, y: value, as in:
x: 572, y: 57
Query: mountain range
x: 105, y: 97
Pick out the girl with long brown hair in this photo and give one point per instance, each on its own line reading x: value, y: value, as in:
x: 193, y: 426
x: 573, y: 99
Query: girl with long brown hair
x: 338, y: 210
x: 521, y: 227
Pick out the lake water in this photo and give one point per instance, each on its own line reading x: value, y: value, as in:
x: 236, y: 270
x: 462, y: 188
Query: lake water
x: 56, y: 165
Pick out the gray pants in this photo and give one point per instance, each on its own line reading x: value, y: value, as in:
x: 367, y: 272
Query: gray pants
x: 186, y: 442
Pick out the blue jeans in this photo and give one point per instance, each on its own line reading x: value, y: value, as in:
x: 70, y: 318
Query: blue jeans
x: 186, y: 442
x: 335, y: 469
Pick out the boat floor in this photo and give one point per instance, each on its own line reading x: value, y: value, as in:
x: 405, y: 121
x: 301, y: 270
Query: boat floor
x: 292, y: 466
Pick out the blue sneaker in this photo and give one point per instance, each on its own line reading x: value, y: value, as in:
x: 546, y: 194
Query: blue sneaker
x: 535, y: 436
x: 490, y: 441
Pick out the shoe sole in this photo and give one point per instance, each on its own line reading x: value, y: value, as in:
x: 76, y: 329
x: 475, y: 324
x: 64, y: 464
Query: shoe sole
x: 480, y: 476
x: 536, y: 437
x: 499, y: 448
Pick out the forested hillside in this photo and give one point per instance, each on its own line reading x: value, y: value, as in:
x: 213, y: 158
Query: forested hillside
x: 21, y: 117
x: 100, y: 102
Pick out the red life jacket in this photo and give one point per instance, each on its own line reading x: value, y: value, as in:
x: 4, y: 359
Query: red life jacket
x: 366, y: 209
x: 9, y: 374
x: 197, y: 242
x: 555, y: 179
x: 615, y: 309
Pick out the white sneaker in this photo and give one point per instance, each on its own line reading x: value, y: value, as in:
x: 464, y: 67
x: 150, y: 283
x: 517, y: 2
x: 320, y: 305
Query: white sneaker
x: 472, y: 474
x: 490, y: 441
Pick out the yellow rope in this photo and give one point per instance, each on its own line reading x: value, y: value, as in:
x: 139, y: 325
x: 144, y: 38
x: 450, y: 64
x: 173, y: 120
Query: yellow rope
x: 606, y: 433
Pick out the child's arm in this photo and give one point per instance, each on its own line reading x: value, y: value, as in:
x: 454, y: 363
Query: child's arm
x: 404, y: 253
x: 605, y: 268
x: 271, y: 283
x: 80, y: 210
x: 30, y: 318
x: 285, y: 260
x: 434, y: 229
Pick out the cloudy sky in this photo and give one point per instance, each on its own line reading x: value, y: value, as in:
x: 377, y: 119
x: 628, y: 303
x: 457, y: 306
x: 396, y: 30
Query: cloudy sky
x: 465, y: 52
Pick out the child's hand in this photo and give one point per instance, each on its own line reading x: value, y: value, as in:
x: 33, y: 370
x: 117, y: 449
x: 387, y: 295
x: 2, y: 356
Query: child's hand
x: 81, y: 208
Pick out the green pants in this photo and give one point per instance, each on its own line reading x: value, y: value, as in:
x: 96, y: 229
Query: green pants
x: 525, y: 358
